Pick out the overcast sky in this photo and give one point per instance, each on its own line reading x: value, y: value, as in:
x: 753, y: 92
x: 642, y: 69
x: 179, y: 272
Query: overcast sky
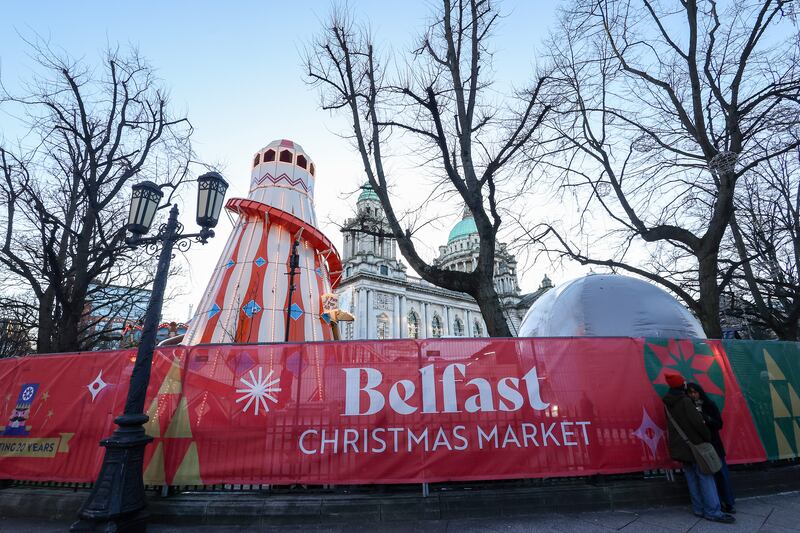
x: 235, y: 69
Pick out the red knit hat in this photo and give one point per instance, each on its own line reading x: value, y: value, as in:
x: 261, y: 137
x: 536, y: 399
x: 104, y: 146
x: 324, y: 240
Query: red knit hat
x: 675, y: 381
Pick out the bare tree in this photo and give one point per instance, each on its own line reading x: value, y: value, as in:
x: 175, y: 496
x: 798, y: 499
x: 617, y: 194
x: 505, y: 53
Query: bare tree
x: 659, y: 110
x: 443, y: 103
x: 17, y: 322
x: 765, y: 234
x: 89, y: 131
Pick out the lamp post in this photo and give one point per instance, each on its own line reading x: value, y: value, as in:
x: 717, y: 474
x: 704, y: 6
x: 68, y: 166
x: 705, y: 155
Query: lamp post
x: 294, y: 264
x: 117, y: 498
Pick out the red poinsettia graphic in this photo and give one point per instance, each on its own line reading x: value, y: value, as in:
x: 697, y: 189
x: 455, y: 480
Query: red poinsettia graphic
x: 694, y: 360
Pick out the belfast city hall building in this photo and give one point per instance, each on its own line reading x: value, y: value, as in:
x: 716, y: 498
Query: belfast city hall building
x: 390, y: 304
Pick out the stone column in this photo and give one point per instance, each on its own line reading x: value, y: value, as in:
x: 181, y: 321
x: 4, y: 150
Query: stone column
x: 356, y: 313
x: 371, y: 333
x: 403, y: 317
x: 396, y: 317
x: 363, y: 314
x: 468, y: 325
x: 446, y: 320
x: 424, y: 332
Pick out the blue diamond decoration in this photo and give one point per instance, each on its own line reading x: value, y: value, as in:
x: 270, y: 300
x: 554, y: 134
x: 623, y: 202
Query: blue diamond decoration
x: 230, y: 263
x: 326, y: 317
x: 260, y: 261
x: 214, y: 310
x: 240, y: 362
x: 318, y: 271
x: 251, y: 308
x: 295, y: 312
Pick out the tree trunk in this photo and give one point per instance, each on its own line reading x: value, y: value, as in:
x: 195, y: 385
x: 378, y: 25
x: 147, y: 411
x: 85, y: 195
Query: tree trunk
x: 491, y: 308
x: 44, y: 331
x: 69, y: 339
x: 709, y: 295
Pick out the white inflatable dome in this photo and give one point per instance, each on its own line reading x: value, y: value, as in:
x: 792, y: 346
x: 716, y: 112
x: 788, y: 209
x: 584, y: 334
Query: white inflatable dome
x: 608, y: 305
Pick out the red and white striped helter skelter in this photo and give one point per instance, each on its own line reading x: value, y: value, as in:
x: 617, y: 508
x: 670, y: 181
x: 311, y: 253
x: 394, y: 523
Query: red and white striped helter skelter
x: 247, y: 299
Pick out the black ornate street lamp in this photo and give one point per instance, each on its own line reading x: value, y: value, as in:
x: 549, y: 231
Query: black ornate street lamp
x: 117, y: 500
x: 294, y: 264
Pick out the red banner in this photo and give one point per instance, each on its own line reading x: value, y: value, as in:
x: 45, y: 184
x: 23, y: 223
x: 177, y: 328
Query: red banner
x: 368, y: 412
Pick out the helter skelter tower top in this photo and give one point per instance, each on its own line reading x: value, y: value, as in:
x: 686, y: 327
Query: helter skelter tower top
x: 248, y: 298
x: 283, y: 176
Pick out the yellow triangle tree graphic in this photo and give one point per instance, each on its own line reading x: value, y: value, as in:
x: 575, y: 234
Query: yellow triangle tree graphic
x: 154, y: 475
x: 152, y: 427
x: 172, y: 383
x: 773, y: 369
x: 188, y: 472
x: 779, y: 409
x: 179, y: 425
x: 785, y: 450
x: 796, y: 435
x: 794, y: 400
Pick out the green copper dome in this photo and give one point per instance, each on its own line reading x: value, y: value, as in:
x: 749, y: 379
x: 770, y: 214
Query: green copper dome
x: 367, y: 193
x: 465, y: 227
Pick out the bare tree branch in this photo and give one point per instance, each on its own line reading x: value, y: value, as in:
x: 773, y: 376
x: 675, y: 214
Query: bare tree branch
x: 64, y: 198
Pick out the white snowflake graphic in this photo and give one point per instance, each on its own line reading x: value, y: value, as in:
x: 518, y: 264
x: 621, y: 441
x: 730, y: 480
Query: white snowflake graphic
x: 258, y: 390
x: 27, y: 393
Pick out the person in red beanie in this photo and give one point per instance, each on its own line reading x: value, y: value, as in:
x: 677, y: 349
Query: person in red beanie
x: 675, y: 381
x: 702, y: 488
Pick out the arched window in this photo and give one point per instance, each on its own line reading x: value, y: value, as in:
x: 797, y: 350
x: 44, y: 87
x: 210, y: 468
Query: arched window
x: 458, y: 327
x: 301, y: 161
x: 383, y: 327
x: 257, y: 160
x: 269, y: 155
x: 413, y: 325
x: 286, y: 156
x: 436, y: 326
x: 477, y: 330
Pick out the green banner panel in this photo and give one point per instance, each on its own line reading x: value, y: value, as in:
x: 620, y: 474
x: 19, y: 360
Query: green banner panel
x: 769, y: 376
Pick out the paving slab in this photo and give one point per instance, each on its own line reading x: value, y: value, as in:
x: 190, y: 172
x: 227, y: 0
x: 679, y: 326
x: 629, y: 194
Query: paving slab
x: 488, y: 525
x: 609, y: 519
x: 159, y: 528
x: 786, y: 500
x: 744, y: 524
x: 754, y: 506
x: 567, y: 523
x: 18, y: 525
x: 541, y: 523
x: 672, y: 518
x: 785, y: 517
x: 424, y: 526
x: 639, y: 527
x: 766, y: 528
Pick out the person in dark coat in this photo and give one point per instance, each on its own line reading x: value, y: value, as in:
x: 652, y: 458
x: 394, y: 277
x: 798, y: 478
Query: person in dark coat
x: 713, y: 419
x: 702, y: 489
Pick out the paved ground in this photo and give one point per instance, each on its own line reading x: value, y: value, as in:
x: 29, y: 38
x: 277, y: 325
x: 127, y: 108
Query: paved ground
x: 776, y: 513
